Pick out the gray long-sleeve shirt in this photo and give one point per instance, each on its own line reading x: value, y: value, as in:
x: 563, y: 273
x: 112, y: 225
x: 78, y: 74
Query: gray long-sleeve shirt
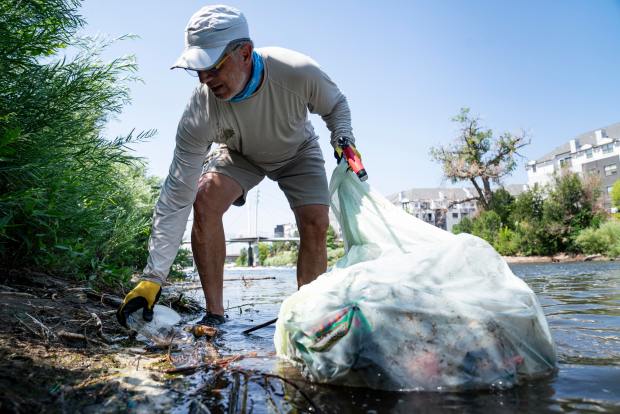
x: 267, y: 128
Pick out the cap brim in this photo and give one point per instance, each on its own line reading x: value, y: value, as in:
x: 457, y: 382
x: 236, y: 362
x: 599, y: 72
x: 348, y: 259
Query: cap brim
x: 199, y: 59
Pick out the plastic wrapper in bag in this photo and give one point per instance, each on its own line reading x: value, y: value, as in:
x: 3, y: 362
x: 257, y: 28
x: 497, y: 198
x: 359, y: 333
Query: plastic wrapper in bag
x: 412, y: 307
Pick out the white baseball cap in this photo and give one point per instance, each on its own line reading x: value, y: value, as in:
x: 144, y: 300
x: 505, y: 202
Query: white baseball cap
x: 207, y: 34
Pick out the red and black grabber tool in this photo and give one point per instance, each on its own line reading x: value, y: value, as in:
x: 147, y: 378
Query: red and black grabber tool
x: 353, y: 158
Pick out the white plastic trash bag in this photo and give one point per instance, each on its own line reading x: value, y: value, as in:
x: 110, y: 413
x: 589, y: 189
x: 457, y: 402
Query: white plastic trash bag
x: 160, y: 330
x: 412, y: 307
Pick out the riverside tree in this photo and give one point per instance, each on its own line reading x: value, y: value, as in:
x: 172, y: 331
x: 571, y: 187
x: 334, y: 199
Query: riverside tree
x: 479, y: 157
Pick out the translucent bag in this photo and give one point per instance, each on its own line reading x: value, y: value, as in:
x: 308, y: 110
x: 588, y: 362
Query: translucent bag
x: 161, y: 330
x: 412, y: 307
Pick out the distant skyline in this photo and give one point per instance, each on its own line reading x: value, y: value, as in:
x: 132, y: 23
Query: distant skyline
x: 547, y: 67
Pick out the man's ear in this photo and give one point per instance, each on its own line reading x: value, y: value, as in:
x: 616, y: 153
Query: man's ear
x: 246, y: 52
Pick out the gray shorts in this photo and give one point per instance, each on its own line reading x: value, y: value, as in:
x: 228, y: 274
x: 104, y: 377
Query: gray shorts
x: 302, y: 180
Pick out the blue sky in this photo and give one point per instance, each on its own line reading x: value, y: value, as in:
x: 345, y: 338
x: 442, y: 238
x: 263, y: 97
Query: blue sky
x: 550, y: 68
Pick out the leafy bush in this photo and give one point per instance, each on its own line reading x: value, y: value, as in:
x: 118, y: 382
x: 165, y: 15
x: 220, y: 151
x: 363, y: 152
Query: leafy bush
x: 604, y: 240
x: 466, y: 225
x: 242, y: 260
x: 71, y: 200
x: 570, y: 208
x: 507, y: 242
x: 615, y: 194
x: 284, y: 258
x: 182, y: 261
x: 333, y: 255
x: 487, y: 225
x: 502, y: 203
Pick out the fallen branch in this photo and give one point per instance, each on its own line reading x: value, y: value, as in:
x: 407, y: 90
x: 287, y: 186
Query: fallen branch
x: 76, y: 336
x: 99, y: 326
x: 220, y: 363
x: 285, y: 380
x: 104, y: 298
x: 23, y: 294
x: 47, y: 332
x: 250, y: 278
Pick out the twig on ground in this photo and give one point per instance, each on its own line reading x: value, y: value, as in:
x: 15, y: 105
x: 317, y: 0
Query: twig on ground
x: 240, y: 306
x: 47, y: 332
x: 76, y: 336
x: 23, y: 294
x: 32, y: 331
x: 243, y: 278
x: 99, y: 326
x: 297, y: 387
x: 8, y: 288
x: 104, y: 298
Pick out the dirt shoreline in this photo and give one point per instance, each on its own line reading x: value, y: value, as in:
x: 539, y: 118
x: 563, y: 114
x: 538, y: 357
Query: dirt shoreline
x: 558, y: 258
x: 62, y: 350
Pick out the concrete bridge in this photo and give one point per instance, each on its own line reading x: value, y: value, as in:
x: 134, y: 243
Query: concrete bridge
x: 259, y: 239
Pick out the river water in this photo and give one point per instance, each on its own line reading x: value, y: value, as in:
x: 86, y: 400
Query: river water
x: 581, y: 302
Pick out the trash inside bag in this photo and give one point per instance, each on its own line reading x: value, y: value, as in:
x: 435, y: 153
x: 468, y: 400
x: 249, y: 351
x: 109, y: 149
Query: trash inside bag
x: 412, y: 307
x: 161, y: 330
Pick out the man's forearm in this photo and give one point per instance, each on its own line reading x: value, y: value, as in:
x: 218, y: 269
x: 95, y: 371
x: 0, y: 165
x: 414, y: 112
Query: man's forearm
x: 338, y: 121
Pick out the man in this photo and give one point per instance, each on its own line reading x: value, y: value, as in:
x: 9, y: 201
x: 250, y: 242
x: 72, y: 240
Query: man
x: 249, y: 119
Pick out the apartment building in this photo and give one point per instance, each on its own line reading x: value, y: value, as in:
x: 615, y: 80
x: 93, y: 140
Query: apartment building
x: 595, y: 152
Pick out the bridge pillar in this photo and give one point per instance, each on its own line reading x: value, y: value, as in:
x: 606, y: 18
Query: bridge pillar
x: 250, y: 255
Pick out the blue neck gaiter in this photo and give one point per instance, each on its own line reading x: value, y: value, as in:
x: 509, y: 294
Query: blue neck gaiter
x: 255, y: 79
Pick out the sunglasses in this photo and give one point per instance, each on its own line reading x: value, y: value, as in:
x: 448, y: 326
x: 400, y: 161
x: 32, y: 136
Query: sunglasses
x: 215, y: 69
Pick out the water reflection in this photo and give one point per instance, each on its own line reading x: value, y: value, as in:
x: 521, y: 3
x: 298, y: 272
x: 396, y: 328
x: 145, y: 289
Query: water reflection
x: 581, y: 301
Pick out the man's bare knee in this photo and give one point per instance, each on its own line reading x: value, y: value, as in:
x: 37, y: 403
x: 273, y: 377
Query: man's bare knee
x: 215, y: 195
x: 313, y: 221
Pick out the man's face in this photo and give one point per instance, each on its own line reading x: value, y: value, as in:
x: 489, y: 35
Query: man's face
x: 231, y: 76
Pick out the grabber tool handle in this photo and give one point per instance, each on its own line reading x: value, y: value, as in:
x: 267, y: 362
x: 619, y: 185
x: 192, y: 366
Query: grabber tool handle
x: 354, y: 161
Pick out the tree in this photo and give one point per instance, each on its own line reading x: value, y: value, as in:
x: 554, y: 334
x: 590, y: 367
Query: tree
x: 487, y: 226
x: 615, y: 194
x: 528, y: 205
x: 569, y: 208
x: 466, y: 225
x: 502, y: 202
x: 242, y: 260
x: 263, y: 252
x: 478, y: 157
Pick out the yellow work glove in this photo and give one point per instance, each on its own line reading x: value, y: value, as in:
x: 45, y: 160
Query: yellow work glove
x: 143, y: 296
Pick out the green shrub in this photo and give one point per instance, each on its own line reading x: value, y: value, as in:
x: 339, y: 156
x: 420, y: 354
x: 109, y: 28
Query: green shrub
x: 507, y: 242
x: 615, y: 194
x: 72, y: 201
x: 487, y: 225
x: 502, y: 203
x: 466, y: 225
x: 242, y: 260
x: 333, y: 255
x: 284, y: 258
x: 604, y: 240
x: 263, y: 252
x: 182, y: 261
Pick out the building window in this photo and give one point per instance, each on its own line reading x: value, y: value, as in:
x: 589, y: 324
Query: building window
x: 565, y: 162
x: 455, y: 215
x: 607, y: 148
x: 589, y: 153
x: 611, y: 169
